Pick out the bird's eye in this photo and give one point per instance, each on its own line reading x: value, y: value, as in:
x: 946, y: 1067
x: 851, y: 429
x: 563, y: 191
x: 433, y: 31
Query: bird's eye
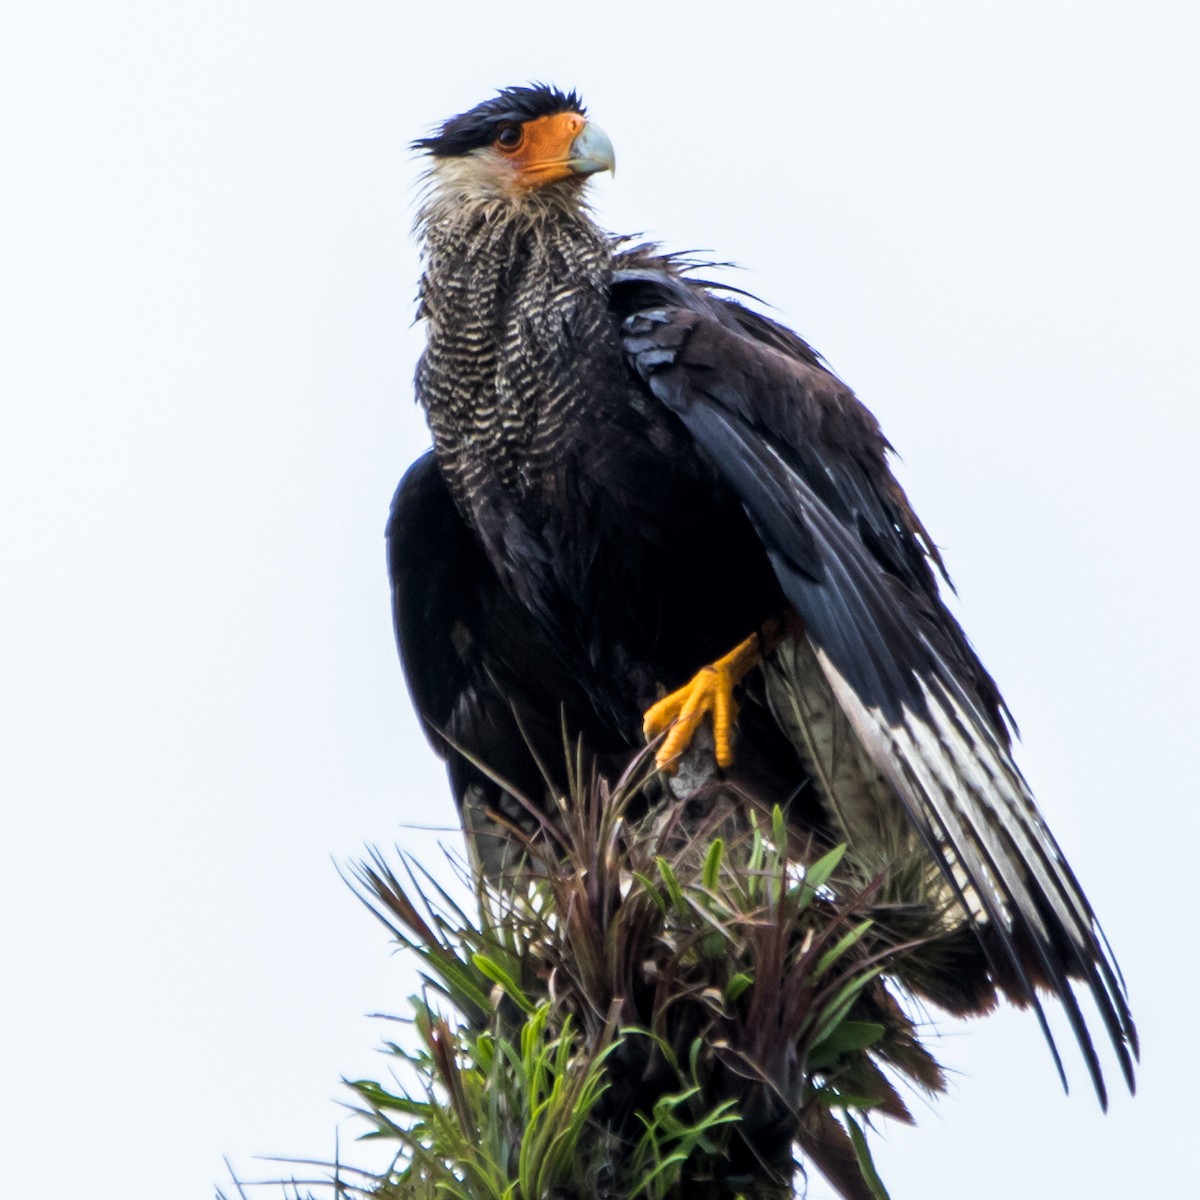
x: 509, y: 138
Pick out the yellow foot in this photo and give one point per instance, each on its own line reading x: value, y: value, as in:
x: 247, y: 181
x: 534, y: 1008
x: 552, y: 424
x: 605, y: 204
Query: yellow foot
x: 710, y: 691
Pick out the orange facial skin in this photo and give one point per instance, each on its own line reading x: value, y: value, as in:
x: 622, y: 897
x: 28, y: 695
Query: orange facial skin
x: 543, y: 153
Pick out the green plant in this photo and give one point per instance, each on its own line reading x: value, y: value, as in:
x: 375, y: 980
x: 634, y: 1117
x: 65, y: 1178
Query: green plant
x: 667, y: 999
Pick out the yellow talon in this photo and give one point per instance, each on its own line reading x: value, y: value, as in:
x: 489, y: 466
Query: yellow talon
x: 709, y: 691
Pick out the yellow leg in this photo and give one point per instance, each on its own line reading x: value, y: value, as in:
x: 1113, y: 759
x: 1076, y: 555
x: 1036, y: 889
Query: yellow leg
x: 710, y: 690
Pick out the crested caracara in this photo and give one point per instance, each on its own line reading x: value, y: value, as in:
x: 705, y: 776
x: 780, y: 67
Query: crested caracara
x: 652, y: 512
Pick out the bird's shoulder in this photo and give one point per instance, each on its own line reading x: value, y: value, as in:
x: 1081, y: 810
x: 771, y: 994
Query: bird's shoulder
x: 702, y: 337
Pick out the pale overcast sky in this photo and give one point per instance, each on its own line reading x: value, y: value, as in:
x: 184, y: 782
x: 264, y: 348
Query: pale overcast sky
x: 984, y: 215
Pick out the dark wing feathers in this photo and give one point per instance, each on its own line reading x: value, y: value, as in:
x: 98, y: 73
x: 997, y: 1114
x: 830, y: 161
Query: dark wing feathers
x: 492, y: 694
x: 460, y: 633
x: 851, y: 616
x: 449, y: 612
x: 808, y: 464
x: 429, y: 592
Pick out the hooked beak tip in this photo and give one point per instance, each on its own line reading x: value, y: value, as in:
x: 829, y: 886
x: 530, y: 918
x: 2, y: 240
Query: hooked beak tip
x: 592, y: 152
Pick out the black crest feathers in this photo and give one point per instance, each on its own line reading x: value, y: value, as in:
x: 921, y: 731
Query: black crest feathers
x: 479, y: 125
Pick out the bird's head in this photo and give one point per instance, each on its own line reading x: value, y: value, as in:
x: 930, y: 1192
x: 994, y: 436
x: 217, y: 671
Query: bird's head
x: 514, y: 145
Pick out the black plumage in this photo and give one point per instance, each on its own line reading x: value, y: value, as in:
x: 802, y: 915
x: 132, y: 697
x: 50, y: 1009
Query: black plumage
x: 631, y: 473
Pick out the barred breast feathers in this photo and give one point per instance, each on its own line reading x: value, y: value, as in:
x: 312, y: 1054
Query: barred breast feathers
x: 514, y: 295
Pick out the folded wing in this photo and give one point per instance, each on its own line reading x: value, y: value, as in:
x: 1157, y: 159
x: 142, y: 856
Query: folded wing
x: 808, y: 464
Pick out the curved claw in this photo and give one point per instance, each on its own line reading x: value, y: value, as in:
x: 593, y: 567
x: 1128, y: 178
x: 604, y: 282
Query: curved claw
x: 710, y: 690
x: 681, y: 713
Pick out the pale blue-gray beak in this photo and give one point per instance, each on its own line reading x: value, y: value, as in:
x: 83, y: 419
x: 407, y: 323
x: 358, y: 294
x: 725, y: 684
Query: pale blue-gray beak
x: 591, y: 151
